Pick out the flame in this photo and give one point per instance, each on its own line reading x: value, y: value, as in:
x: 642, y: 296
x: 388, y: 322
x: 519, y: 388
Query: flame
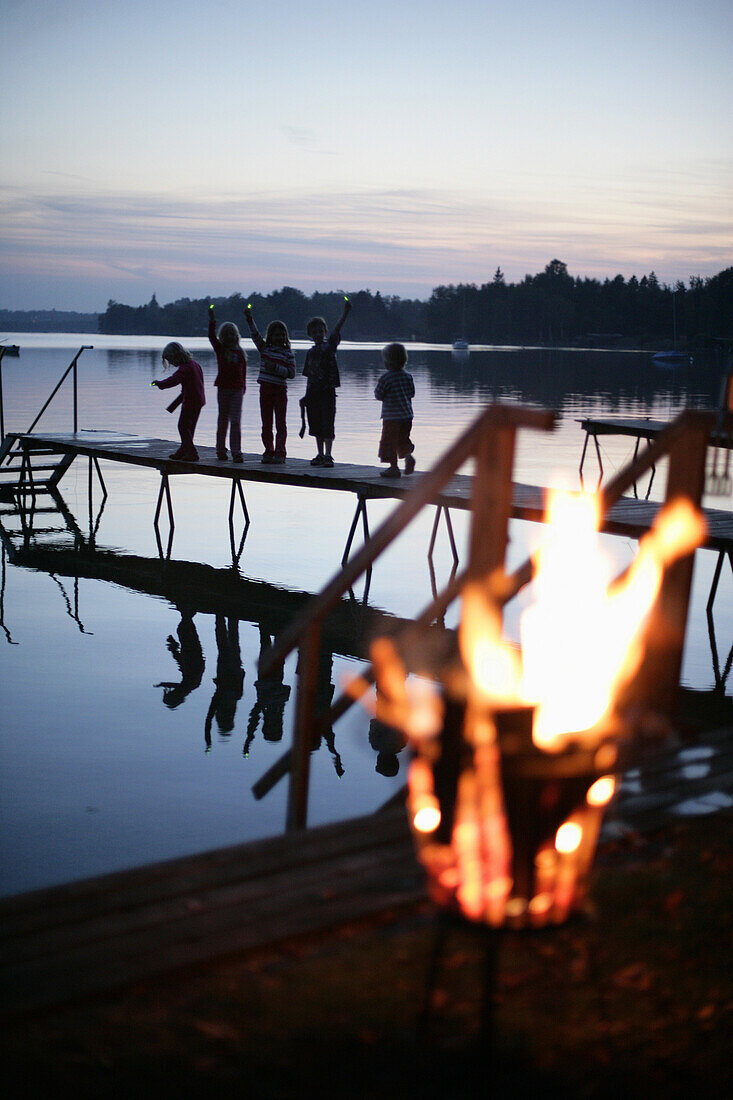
x: 494, y: 665
x: 568, y: 837
x: 582, y: 638
x: 602, y: 791
x: 409, y: 703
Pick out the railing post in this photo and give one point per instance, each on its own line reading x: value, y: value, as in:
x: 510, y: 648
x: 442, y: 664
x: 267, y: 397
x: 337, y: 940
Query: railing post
x: 657, y: 681
x: 491, y: 501
x: 2, y: 414
x: 304, y: 730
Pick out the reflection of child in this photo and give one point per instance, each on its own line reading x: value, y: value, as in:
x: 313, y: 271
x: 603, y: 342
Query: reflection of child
x: 322, y: 373
x: 386, y: 740
x: 190, y: 378
x: 277, y: 365
x: 395, y: 389
x: 229, y: 678
x: 272, y: 695
x: 230, y: 383
x: 189, y: 656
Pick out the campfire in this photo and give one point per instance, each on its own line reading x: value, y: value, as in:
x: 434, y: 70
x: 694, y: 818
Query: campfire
x: 517, y: 748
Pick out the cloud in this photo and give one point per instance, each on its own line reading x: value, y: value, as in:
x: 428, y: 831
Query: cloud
x: 402, y: 241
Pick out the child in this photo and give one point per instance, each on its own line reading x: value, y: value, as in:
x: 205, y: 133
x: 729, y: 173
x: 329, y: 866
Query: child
x: 190, y: 378
x: 395, y: 389
x: 277, y: 364
x: 322, y: 373
x: 231, y: 383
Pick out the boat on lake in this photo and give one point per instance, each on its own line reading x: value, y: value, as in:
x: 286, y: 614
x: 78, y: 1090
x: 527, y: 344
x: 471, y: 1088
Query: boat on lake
x: 10, y: 349
x: 673, y: 358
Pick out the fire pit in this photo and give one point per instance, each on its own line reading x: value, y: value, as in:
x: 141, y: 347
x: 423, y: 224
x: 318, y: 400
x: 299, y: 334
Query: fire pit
x: 517, y: 753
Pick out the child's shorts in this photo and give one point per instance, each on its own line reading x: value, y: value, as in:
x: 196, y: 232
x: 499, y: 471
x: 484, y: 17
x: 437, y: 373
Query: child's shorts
x: 321, y: 409
x: 395, y: 442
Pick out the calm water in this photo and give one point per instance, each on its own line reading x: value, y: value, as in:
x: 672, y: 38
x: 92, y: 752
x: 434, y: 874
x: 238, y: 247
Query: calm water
x: 129, y: 733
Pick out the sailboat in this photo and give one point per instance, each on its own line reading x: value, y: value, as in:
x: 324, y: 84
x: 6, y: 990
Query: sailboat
x: 460, y: 346
x: 672, y: 358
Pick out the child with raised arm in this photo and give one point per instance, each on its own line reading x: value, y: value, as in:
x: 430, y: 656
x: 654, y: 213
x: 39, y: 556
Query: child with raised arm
x: 277, y: 365
x: 395, y: 389
x: 230, y: 383
x: 190, y: 378
x: 321, y: 370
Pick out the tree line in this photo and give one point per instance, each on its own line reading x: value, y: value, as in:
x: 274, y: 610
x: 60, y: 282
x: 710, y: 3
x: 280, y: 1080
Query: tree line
x: 551, y: 308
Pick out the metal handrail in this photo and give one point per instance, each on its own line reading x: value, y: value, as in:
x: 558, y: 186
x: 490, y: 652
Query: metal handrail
x: 64, y: 376
x: 57, y: 387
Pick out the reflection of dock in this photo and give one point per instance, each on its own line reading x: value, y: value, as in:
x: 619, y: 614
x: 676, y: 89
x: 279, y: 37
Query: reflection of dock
x: 207, y: 591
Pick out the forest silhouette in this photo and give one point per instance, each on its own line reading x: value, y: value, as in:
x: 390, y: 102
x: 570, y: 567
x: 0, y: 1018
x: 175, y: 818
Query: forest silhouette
x: 552, y: 308
x: 549, y: 308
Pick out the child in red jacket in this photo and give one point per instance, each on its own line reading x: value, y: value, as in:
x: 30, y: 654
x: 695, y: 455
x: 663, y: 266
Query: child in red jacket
x: 190, y: 378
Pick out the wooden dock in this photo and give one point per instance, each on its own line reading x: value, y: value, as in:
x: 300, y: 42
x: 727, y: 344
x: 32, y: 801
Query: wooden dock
x: 629, y: 517
x: 87, y: 937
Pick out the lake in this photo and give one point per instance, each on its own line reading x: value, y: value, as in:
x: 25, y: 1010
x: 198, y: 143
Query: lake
x: 129, y: 733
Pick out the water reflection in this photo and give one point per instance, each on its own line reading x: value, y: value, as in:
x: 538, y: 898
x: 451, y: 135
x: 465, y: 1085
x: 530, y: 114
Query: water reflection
x: 272, y: 695
x: 189, y: 656
x: 229, y: 679
x: 197, y: 590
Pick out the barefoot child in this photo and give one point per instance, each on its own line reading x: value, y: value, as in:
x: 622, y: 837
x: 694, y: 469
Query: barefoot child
x: 190, y: 378
x: 277, y: 365
x: 395, y: 389
x: 322, y: 373
x: 231, y: 383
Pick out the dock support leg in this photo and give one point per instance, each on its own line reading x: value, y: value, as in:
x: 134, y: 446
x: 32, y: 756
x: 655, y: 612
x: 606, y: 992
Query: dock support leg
x: 360, y: 511
x: 237, y: 490
x: 582, y: 460
x: 720, y: 678
x: 443, y: 509
x: 648, y: 441
x: 25, y: 475
x: 93, y: 528
x: 164, y: 490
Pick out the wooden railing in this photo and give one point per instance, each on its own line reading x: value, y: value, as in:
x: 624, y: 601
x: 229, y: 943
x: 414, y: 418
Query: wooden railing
x: 490, y: 440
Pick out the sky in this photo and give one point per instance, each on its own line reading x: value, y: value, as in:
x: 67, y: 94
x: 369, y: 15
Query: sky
x: 191, y: 149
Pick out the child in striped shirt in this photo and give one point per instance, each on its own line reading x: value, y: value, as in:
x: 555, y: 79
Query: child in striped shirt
x: 277, y: 365
x: 395, y: 389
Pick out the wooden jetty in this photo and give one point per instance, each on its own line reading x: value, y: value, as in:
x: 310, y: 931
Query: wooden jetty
x: 629, y: 517
x: 640, y: 429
